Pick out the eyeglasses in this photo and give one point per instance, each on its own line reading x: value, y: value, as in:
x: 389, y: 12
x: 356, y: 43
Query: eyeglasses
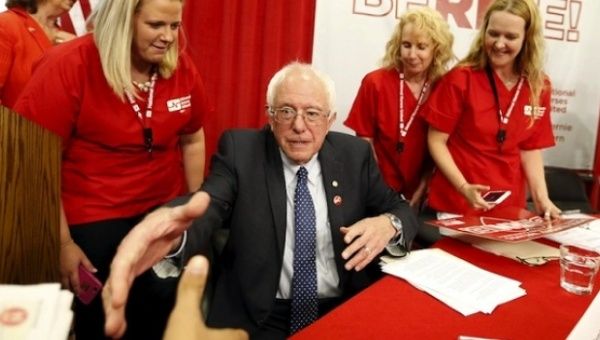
x: 286, y: 115
x: 536, y: 260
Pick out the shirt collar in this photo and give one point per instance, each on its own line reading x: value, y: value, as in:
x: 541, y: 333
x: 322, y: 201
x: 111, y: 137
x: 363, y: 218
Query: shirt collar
x: 290, y: 168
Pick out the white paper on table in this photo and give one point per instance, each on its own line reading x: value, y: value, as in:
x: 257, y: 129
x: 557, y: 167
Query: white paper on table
x: 587, y: 235
x: 588, y: 326
x: 461, y: 285
x: 34, y: 312
x: 63, y: 316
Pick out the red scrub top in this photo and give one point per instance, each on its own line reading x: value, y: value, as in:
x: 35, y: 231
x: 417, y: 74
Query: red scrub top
x: 463, y: 106
x: 375, y: 114
x: 22, y: 44
x: 106, y: 170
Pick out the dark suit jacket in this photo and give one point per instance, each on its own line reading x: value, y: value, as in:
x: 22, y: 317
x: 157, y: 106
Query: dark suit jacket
x: 248, y: 196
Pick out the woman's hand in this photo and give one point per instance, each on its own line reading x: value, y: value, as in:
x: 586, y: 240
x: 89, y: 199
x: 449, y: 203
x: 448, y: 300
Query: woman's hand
x: 472, y: 193
x: 71, y: 256
x: 546, y: 208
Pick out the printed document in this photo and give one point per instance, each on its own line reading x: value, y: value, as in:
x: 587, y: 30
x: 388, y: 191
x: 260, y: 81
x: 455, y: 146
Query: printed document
x: 464, y: 287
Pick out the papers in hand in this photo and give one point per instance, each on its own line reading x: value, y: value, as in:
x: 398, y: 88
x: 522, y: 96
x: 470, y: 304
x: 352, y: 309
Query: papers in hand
x: 35, y: 312
x: 457, y: 283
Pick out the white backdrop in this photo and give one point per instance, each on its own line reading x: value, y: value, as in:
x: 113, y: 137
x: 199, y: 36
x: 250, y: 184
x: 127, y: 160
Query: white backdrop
x: 350, y: 38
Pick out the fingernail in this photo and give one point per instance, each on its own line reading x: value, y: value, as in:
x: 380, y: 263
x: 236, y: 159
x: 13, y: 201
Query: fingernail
x: 195, y: 266
x: 344, y: 256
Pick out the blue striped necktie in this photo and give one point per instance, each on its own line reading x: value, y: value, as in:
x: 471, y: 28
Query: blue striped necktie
x: 304, y: 280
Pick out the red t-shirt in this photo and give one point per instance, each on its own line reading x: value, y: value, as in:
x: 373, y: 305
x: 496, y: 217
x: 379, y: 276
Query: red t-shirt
x: 106, y: 169
x: 22, y: 44
x: 375, y: 114
x: 463, y: 106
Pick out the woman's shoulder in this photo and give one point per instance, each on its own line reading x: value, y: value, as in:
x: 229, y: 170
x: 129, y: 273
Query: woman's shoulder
x: 74, y: 49
x: 461, y: 74
x: 13, y: 19
x: 73, y: 57
x: 463, y: 71
x: 381, y: 74
x: 379, y: 78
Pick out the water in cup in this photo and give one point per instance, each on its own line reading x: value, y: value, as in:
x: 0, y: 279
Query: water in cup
x: 578, y: 267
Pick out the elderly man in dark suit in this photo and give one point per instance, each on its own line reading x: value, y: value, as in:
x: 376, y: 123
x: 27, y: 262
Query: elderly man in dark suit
x: 306, y: 209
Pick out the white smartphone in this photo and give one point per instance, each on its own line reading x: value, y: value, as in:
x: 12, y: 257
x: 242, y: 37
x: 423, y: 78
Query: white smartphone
x: 496, y: 196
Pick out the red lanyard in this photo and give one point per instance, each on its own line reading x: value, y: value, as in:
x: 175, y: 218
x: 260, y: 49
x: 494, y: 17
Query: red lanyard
x: 146, y: 119
x: 404, y: 127
x: 503, y: 118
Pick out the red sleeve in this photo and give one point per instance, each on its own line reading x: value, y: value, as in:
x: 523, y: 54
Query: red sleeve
x: 51, y: 98
x: 362, y: 118
x: 446, y: 102
x: 543, y: 137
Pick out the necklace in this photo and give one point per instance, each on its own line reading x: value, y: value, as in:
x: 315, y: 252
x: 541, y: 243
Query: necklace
x: 404, y: 127
x: 142, y: 86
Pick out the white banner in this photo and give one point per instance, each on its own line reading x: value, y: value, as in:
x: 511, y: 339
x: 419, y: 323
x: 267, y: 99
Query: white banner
x: 350, y: 38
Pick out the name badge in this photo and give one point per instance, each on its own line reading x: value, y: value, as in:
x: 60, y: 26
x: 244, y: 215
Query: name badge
x: 536, y: 111
x: 179, y: 104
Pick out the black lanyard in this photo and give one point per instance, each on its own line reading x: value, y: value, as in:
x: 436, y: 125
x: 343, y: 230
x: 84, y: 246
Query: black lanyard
x: 502, y: 119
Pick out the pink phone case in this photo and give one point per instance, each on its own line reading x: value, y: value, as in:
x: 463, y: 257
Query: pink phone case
x: 89, y: 286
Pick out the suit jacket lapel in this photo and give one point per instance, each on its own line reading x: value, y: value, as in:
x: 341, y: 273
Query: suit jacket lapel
x: 333, y: 184
x: 275, y: 183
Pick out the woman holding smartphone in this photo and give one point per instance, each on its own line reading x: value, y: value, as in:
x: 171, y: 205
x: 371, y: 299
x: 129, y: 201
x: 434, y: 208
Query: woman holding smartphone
x: 490, y: 117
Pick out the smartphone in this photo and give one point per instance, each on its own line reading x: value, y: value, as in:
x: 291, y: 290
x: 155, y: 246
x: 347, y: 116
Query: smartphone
x: 496, y: 196
x: 89, y: 286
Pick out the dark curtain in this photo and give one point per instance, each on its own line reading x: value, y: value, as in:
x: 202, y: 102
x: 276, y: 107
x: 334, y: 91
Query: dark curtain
x: 237, y: 46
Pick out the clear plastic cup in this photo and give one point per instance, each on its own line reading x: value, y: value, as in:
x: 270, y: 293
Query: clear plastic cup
x: 578, y: 268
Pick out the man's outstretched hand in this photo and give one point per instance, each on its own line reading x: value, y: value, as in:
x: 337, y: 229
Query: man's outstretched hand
x: 146, y: 244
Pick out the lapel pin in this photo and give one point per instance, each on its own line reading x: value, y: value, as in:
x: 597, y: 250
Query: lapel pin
x: 337, y: 200
x: 335, y: 184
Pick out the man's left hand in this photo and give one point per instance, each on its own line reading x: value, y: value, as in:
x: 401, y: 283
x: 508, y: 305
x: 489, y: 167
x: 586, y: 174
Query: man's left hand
x: 366, y: 239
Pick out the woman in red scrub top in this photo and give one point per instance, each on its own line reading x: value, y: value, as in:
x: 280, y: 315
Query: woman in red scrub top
x: 490, y: 116
x: 128, y: 104
x: 385, y: 111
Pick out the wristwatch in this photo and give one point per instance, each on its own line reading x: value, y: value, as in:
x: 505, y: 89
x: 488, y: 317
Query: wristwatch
x: 396, y: 245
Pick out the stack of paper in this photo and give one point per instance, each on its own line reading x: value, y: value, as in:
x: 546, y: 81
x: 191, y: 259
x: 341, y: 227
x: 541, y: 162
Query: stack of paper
x: 587, y: 235
x: 459, y: 284
x: 35, y: 312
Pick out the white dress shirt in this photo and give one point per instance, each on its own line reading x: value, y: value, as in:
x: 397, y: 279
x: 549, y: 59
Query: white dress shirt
x: 327, y: 275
